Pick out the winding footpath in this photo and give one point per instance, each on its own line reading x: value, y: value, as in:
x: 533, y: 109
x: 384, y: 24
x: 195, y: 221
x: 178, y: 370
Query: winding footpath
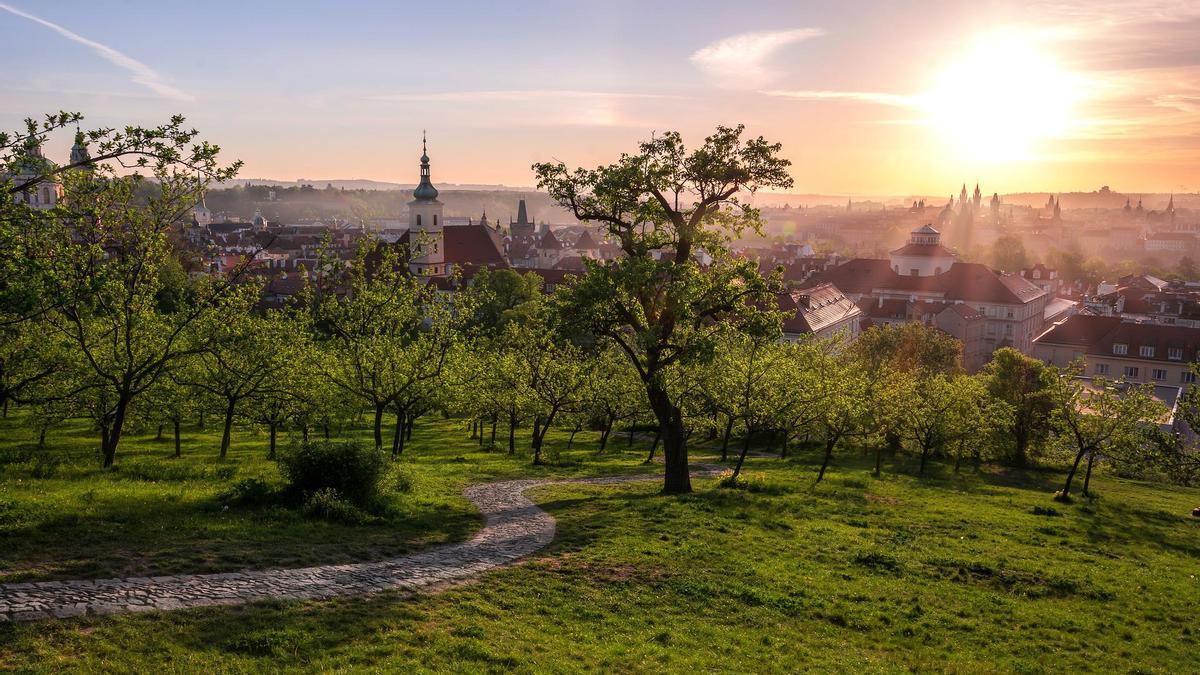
x: 515, y: 528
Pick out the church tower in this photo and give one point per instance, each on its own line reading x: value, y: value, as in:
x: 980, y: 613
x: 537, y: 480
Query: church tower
x: 978, y: 197
x: 426, y: 245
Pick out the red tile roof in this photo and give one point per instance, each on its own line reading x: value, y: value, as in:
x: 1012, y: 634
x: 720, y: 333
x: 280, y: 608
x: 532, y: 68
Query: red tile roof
x: 963, y: 281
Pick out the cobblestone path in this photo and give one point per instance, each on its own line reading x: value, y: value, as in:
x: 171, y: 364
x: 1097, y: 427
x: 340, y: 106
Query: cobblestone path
x: 515, y: 528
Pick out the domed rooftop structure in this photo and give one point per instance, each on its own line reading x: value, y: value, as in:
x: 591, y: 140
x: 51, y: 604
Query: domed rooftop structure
x: 425, y: 191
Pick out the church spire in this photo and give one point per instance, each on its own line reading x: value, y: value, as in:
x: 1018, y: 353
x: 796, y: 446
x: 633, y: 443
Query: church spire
x: 425, y: 191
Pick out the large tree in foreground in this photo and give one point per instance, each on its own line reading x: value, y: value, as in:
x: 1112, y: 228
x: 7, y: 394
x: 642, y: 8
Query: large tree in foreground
x: 676, y: 288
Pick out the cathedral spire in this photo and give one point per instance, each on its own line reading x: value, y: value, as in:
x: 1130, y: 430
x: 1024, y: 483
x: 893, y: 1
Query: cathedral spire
x: 425, y: 191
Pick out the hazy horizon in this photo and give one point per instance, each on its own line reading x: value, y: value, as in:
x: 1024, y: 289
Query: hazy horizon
x: 868, y: 98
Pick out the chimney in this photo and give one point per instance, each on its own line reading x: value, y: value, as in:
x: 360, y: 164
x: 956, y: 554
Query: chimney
x: 803, y: 300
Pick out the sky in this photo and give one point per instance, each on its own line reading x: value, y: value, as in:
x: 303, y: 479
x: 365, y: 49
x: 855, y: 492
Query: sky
x: 871, y: 97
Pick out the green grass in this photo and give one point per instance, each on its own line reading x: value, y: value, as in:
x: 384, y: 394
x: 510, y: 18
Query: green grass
x: 979, y: 572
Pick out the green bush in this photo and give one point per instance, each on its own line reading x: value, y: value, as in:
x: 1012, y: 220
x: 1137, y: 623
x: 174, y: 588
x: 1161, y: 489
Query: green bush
x: 327, y: 504
x: 348, y: 467
x: 252, y: 492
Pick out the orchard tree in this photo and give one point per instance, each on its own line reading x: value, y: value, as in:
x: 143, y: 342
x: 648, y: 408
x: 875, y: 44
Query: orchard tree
x: 676, y: 287
x: 945, y: 410
x: 1024, y: 384
x: 173, y: 402
x: 746, y: 385
x: 246, y: 356
x: 841, y: 403
x: 1100, y: 418
x: 614, y: 394
x: 387, y: 336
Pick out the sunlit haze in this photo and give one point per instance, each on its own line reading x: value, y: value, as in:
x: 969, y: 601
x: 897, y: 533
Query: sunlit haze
x: 868, y: 98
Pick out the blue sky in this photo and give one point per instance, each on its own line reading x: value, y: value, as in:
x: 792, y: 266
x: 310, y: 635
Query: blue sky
x: 856, y: 91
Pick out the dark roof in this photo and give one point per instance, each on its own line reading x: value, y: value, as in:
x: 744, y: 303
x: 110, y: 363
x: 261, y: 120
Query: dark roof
x: 585, y: 241
x: 1096, y: 335
x: 1079, y: 330
x: 467, y: 245
x: 548, y: 240
x: 963, y: 281
x: 815, y: 308
x: 924, y: 250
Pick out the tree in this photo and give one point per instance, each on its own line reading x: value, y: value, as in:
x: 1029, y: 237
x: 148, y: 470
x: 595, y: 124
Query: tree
x: 745, y: 385
x: 387, y: 336
x: 944, y: 410
x: 246, y: 357
x: 614, y: 394
x: 34, y: 275
x: 1008, y: 253
x: 676, y: 288
x: 840, y: 397
x: 1024, y: 384
x: 171, y: 401
x: 504, y: 295
x: 1098, y: 417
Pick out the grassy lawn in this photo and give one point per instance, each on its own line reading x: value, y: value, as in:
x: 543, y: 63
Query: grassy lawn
x: 963, y: 573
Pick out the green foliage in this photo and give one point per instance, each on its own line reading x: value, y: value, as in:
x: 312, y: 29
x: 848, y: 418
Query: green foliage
x: 352, y: 470
x: 250, y: 493
x: 328, y: 504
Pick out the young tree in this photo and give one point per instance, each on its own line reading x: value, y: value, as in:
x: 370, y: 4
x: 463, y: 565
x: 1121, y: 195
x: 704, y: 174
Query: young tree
x: 1024, y: 384
x: 839, y: 393
x: 246, y: 356
x: 171, y: 401
x: 745, y: 385
x: 945, y: 410
x: 387, y: 335
x: 1099, y: 417
x: 676, y: 288
x: 614, y: 394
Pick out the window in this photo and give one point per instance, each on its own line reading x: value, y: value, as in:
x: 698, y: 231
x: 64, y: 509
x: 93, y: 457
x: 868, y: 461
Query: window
x: 915, y: 272
x: 435, y: 220
x: 1158, y: 374
x: 1120, y: 349
x: 1131, y: 371
x: 1037, y: 274
x: 1187, y: 377
x: 418, y: 220
x: 1010, y: 314
x: 1101, y: 368
x: 1175, y: 353
x: 1146, y: 351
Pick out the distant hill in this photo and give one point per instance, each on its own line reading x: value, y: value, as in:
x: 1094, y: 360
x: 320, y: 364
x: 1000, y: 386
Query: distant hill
x: 358, y: 184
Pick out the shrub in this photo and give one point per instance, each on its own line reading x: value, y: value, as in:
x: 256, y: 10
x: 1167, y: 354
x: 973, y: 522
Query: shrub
x: 253, y: 492
x: 347, y: 467
x: 327, y: 504
x: 1045, y: 511
x: 750, y: 482
x: 402, y: 480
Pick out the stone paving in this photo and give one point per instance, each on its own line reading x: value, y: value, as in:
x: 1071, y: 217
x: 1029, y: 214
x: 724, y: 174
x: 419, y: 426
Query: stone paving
x: 515, y: 528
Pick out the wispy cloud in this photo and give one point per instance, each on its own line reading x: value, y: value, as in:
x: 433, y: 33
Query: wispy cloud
x: 742, y: 60
x: 139, y: 72
x: 513, y: 95
x: 880, y: 98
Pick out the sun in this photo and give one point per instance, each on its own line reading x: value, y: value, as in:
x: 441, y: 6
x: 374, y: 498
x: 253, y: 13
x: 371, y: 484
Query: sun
x: 1002, y: 100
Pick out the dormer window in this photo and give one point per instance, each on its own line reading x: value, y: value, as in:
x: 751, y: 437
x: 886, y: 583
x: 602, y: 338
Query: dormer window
x: 1146, y: 351
x: 1120, y: 349
x: 1037, y: 274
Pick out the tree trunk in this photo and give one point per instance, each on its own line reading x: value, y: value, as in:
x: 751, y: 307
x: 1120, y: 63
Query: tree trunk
x: 512, y: 433
x: 225, y: 433
x: 325, y: 429
x: 571, y: 440
x: 114, y: 433
x: 1066, y: 491
x: 829, y: 444
x: 1087, y: 476
x: 42, y: 435
x: 158, y: 437
x: 725, y: 438
x: 737, y: 469
x: 670, y: 424
x: 608, y: 425
x: 398, y: 435
x: 273, y: 428
x: 783, y: 444
x: 304, y: 431
x: 474, y: 429
x: 175, y: 425
x: 653, y: 447
x: 1021, y: 434
x: 493, y: 444
x: 379, y: 407
x: 200, y: 422
x: 408, y: 427
x: 631, y: 428
x: 924, y: 456
x: 878, y: 460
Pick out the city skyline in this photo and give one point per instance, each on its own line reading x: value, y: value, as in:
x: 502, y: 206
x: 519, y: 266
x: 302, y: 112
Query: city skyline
x: 870, y: 98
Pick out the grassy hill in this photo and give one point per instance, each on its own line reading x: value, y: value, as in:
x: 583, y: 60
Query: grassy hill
x: 974, y: 572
